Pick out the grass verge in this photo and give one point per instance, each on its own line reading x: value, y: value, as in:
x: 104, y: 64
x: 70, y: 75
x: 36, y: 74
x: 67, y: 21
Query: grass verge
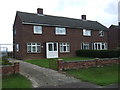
x: 99, y: 75
x: 16, y: 81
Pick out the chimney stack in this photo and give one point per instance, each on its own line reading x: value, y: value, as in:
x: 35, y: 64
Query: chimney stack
x: 83, y: 17
x: 39, y: 11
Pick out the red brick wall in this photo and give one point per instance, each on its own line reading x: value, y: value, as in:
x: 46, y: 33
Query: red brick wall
x: 10, y: 69
x: 85, y: 63
x: 18, y: 37
x: 114, y: 37
x: 73, y: 36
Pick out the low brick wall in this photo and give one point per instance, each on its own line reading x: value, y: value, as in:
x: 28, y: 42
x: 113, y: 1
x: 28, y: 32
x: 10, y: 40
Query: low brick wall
x: 85, y: 63
x: 9, y: 69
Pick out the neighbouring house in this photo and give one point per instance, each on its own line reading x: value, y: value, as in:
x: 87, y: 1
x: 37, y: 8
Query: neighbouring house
x: 114, y: 37
x: 37, y: 35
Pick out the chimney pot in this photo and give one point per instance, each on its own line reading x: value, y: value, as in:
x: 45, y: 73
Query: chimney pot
x: 83, y: 17
x: 39, y: 11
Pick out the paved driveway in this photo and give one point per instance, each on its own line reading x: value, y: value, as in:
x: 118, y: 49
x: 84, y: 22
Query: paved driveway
x: 46, y: 78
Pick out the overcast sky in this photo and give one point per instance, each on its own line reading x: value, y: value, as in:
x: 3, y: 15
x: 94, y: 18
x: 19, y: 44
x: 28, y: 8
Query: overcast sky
x: 103, y: 11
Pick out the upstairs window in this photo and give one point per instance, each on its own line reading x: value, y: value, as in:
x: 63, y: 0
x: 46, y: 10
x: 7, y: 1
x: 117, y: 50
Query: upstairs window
x: 86, y: 32
x: 37, y: 29
x: 60, y: 31
x: 101, y: 33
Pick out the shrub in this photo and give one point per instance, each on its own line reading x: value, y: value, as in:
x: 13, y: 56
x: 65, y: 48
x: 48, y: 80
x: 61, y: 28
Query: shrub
x: 5, y: 61
x: 98, y: 53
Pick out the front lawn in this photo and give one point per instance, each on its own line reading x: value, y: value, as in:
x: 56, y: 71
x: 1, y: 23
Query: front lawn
x: 0, y: 61
x: 99, y: 75
x: 40, y: 62
x: 45, y: 62
x: 16, y: 81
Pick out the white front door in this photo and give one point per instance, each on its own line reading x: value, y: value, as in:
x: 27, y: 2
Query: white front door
x: 52, y: 50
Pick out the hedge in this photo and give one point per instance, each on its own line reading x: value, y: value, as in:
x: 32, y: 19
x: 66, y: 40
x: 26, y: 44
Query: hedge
x: 98, y: 53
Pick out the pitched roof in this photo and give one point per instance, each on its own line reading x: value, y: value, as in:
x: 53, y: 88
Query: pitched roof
x: 41, y: 19
x: 115, y: 26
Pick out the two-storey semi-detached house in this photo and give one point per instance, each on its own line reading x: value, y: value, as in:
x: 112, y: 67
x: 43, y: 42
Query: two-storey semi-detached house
x: 37, y: 35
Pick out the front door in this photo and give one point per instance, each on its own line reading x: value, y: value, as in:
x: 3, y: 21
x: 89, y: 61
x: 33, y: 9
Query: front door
x: 52, y: 50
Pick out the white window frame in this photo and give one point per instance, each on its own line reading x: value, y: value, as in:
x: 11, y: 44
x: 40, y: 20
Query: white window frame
x: 86, y: 32
x: 101, y: 33
x: 60, y: 31
x: 37, y: 29
x: 17, y: 47
x: 66, y: 45
x: 98, y: 46
x: 35, y: 45
x: 85, y: 46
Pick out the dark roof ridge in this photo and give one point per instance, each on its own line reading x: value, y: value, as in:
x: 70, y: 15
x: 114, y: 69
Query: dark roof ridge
x: 43, y: 19
x: 55, y: 16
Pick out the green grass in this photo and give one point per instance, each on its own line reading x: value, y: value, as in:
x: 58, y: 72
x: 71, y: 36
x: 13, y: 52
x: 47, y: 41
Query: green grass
x: 0, y: 82
x: 16, y: 81
x: 45, y: 62
x: 0, y: 61
x: 99, y: 75
x: 40, y: 62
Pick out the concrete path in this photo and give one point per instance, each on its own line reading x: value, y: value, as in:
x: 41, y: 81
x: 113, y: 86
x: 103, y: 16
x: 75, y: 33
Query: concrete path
x: 47, y: 78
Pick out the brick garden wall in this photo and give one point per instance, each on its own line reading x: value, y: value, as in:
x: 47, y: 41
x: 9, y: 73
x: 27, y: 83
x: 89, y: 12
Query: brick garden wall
x: 9, y: 69
x: 85, y: 63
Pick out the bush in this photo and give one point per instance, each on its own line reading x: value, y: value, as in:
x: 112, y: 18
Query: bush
x: 98, y: 53
x: 5, y: 61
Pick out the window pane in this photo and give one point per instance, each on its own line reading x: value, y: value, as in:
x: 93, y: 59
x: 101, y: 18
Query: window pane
x: 38, y: 29
x: 68, y: 48
x: 103, y: 46
x: 38, y: 48
x: 17, y: 47
x: 61, y: 49
x: 55, y: 46
x: 95, y: 46
x: 38, y: 44
x: 28, y: 48
x: 60, y: 30
x: 64, y: 48
x: 86, y: 32
x: 50, y: 47
x: 33, y: 49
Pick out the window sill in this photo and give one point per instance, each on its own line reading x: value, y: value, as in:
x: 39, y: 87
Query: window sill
x: 37, y: 33
x: 61, y: 34
x: 101, y: 36
x: 33, y: 52
x: 86, y: 36
x: 64, y: 52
